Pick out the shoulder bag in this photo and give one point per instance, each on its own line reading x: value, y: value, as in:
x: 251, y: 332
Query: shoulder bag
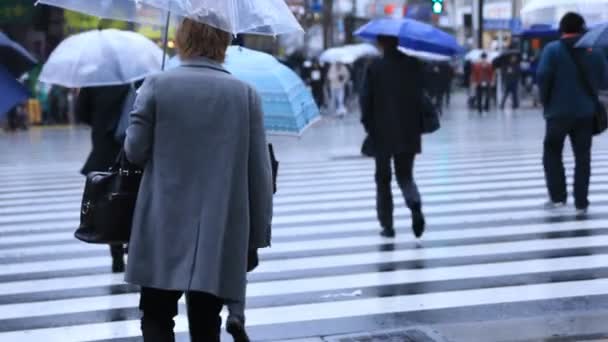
x: 600, y: 116
x: 108, y: 204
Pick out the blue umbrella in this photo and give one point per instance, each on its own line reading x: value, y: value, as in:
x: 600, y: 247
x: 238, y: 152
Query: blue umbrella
x: 413, y: 35
x: 596, y: 37
x: 14, y: 57
x: 289, y: 107
x: 13, y: 92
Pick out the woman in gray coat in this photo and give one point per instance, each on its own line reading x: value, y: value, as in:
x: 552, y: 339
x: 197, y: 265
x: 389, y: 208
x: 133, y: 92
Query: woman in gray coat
x: 206, y: 194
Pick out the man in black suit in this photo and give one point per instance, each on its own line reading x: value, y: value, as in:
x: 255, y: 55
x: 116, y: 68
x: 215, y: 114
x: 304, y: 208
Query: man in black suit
x: 390, y: 103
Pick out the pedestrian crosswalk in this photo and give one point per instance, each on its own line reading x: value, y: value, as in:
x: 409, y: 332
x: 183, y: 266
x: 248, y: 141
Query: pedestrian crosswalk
x: 490, y: 252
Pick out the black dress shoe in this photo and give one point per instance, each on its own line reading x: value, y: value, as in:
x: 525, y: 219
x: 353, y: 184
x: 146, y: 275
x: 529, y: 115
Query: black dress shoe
x: 388, y: 233
x: 118, y: 265
x: 236, y: 328
x: 418, y: 223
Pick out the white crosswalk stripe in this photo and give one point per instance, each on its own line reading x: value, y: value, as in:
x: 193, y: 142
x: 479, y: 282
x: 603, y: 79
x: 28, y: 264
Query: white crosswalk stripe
x: 489, y: 243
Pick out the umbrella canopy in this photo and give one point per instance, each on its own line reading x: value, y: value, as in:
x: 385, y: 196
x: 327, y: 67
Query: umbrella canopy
x: 505, y: 57
x: 597, y: 37
x: 15, y: 57
x: 413, y: 35
x: 550, y: 12
x: 475, y: 55
x: 267, y: 17
x: 348, y: 54
x: 425, y: 56
x: 289, y: 107
x: 102, y: 58
x: 13, y: 92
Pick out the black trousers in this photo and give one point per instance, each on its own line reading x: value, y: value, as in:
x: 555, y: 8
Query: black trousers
x: 580, y: 132
x: 159, y: 308
x: 117, y: 252
x: 404, y: 172
x: 511, y: 89
x: 483, y: 98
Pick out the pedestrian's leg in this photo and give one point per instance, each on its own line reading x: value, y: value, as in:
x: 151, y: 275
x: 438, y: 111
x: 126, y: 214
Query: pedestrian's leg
x: 159, y: 308
x: 487, y: 93
x: 118, y: 261
x: 384, y: 195
x: 581, y: 139
x: 505, y: 96
x: 204, y: 317
x: 515, y: 91
x: 479, y: 98
x: 404, y: 170
x: 235, y: 325
x: 555, y: 175
x: 341, y: 102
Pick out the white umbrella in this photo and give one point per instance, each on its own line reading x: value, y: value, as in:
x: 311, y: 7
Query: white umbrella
x: 348, y: 54
x: 102, y: 58
x: 550, y: 12
x: 475, y: 55
x: 267, y: 17
x: 337, y: 54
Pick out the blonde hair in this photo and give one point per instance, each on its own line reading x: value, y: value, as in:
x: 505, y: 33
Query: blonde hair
x: 195, y: 39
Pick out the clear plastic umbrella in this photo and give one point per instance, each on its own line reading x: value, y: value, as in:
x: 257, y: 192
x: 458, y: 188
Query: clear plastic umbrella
x: 266, y: 17
x: 102, y: 58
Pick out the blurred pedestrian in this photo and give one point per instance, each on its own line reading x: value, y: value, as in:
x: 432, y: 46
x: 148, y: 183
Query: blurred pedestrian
x: 315, y: 81
x: 447, y: 70
x: 390, y: 106
x: 195, y: 224
x: 482, y: 79
x: 100, y: 108
x: 512, y: 76
x: 338, y: 77
x: 566, y: 77
x: 434, y: 81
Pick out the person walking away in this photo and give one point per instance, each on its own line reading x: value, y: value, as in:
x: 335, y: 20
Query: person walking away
x: 569, y: 110
x: 100, y: 108
x: 483, y: 79
x: 195, y: 224
x: 447, y: 72
x: 512, y: 75
x: 390, y: 106
x: 316, y: 82
x: 434, y: 82
x: 338, y: 78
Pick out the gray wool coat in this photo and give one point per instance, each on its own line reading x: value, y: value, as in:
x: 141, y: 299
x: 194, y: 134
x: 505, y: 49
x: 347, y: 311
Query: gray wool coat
x: 206, y: 192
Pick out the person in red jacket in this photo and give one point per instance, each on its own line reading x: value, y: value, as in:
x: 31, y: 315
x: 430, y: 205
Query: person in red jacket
x: 482, y: 79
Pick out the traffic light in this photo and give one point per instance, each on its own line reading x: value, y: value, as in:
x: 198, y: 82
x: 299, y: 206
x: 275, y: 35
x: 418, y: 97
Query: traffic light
x: 437, y: 6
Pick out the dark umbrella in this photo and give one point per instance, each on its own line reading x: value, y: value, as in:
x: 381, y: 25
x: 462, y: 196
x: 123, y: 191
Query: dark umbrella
x: 13, y: 92
x: 597, y: 37
x: 15, y: 57
x: 505, y: 58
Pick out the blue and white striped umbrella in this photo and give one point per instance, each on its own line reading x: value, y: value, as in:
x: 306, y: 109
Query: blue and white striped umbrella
x: 289, y: 107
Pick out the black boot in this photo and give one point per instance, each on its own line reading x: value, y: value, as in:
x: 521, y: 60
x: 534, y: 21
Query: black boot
x: 236, y: 327
x: 418, y: 221
x: 388, y: 232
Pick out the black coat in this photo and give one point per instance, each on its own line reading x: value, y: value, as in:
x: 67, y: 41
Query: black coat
x: 390, y: 104
x: 100, y: 108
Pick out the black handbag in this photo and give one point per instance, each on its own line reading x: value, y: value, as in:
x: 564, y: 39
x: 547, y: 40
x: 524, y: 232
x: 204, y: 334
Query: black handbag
x: 430, y: 116
x: 600, y: 116
x: 108, y: 204
x: 367, y: 149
